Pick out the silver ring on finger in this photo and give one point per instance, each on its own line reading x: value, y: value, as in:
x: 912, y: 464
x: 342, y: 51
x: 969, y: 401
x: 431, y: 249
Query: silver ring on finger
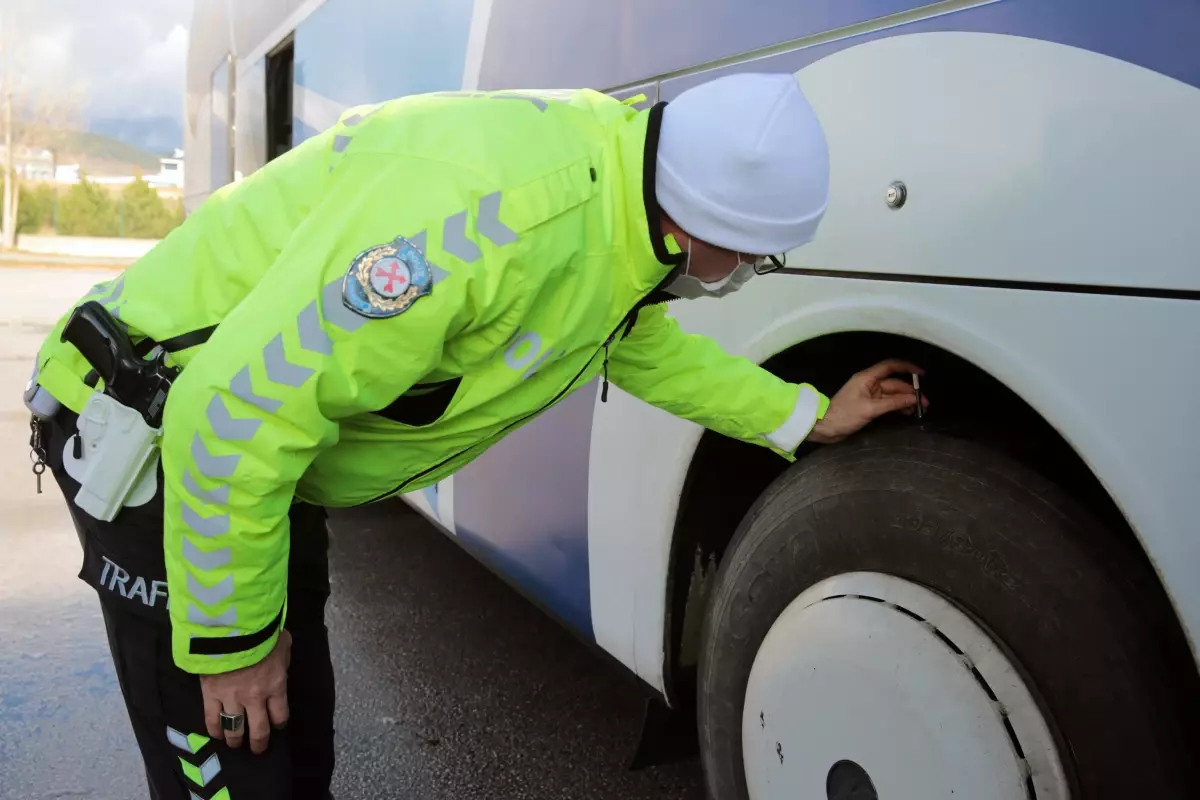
x: 233, y: 723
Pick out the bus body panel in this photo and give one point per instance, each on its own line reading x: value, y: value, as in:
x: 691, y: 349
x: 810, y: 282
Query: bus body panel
x: 524, y: 508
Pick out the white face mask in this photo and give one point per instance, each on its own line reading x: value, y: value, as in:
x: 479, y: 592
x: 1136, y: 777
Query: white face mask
x: 689, y: 287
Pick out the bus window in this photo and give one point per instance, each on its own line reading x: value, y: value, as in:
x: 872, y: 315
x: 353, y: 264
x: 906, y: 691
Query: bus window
x: 221, y: 164
x: 279, y: 99
x: 250, y: 118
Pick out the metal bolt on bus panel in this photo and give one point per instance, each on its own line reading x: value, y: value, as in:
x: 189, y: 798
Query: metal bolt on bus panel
x: 897, y: 193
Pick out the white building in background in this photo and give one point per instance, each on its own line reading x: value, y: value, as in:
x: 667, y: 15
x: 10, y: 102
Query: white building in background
x: 169, y: 175
x: 66, y: 174
x: 31, y: 163
x: 170, y: 172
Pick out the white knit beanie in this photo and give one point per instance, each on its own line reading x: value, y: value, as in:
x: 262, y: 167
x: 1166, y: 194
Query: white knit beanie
x: 743, y: 165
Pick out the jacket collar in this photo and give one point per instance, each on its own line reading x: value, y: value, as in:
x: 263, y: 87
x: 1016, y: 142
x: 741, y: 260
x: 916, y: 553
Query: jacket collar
x: 651, y: 263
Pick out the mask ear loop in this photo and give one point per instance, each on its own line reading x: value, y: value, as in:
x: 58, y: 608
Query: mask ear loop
x: 674, y: 249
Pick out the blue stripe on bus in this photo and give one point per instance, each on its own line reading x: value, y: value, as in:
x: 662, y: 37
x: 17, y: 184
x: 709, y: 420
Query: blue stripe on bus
x: 1011, y: 17
x: 550, y: 43
x: 522, y: 507
x: 545, y: 43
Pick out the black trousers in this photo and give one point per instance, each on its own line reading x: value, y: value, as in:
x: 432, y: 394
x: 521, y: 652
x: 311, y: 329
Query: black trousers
x: 123, y: 561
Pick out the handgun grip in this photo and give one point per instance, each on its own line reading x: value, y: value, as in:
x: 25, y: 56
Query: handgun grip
x: 96, y: 335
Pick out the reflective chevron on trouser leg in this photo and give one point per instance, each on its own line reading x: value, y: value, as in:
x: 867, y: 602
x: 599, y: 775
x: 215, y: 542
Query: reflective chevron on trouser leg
x: 221, y: 795
x: 188, y: 743
x: 203, y: 774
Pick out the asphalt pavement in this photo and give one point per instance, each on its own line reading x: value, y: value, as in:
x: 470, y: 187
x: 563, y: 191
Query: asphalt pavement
x: 450, y: 685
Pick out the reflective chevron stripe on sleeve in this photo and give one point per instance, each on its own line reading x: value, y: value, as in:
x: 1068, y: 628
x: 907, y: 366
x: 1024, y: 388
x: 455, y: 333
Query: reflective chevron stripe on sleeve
x: 487, y: 224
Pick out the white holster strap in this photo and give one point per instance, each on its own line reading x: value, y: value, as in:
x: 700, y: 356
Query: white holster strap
x: 117, y: 463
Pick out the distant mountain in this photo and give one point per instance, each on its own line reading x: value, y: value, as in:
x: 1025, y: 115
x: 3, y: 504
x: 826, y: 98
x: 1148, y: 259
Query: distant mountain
x: 95, y: 153
x: 103, y: 155
x: 157, y: 135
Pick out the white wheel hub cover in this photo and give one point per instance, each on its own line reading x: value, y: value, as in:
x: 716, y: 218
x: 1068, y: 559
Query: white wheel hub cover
x: 869, y: 687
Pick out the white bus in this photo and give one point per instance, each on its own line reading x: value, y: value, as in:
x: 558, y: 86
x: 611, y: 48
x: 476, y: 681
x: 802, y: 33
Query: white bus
x: 1001, y: 600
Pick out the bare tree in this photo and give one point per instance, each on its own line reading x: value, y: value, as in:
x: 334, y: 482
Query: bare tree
x: 38, y: 110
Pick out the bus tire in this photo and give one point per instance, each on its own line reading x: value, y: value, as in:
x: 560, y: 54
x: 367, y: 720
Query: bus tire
x: 1075, y: 608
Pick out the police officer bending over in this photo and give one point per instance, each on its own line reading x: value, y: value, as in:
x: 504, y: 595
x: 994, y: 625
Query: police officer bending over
x: 340, y: 320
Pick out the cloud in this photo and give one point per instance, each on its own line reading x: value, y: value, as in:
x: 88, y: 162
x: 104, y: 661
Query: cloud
x: 52, y: 51
x: 169, y: 55
x: 130, y: 56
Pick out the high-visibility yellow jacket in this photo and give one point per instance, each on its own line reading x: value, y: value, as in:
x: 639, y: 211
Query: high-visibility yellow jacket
x: 385, y: 302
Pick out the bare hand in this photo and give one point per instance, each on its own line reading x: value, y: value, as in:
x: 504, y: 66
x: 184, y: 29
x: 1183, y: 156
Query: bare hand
x: 258, y: 691
x: 866, y: 396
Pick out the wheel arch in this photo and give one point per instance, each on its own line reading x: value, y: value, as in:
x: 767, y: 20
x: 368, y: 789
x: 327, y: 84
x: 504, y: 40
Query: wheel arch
x: 980, y: 390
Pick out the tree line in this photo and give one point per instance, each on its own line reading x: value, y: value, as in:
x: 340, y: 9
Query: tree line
x: 88, y: 209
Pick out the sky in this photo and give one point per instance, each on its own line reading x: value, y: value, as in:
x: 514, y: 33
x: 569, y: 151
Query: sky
x: 128, y: 56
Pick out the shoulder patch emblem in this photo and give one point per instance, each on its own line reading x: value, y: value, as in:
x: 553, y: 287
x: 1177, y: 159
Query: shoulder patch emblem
x: 386, y: 280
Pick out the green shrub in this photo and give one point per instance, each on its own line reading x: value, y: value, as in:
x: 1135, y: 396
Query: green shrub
x: 144, y: 214
x: 35, y: 208
x: 88, y: 210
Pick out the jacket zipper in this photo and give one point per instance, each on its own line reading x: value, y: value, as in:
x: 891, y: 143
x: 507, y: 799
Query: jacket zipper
x: 604, y: 386
x: 625, y: 320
